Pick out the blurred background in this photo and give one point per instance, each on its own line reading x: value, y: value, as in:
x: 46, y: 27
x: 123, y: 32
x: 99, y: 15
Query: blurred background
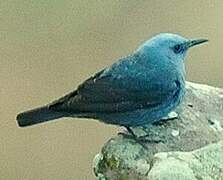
x: 48, y: 47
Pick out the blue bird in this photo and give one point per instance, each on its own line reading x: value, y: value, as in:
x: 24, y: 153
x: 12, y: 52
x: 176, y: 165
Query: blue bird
x: 137, y: 90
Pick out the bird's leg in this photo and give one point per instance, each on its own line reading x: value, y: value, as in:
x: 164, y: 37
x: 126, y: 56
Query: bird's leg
x: 135, y: 137
x: 130, y: 131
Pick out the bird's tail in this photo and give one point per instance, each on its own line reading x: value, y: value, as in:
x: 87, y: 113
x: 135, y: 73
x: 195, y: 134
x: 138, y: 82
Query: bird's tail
x: 37, y: 115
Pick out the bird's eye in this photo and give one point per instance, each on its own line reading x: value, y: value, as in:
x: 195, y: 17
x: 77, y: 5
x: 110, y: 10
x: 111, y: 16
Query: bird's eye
x: 177, y: 48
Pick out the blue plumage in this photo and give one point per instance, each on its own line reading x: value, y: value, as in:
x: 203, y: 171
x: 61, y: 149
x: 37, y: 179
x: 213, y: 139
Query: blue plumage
x: 136, y: 90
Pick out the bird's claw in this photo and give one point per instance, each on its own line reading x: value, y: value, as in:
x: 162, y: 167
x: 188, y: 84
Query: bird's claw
x: 140, y: 139
x: 172, y: 115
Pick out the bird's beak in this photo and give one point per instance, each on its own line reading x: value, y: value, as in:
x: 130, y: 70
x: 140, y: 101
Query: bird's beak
x: 195, y: 42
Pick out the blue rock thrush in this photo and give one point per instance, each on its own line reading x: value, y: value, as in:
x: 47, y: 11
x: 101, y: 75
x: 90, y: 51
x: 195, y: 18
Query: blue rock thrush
x: 137, y: 90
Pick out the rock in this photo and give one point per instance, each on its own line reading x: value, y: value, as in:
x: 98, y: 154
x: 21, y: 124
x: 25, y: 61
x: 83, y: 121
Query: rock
x: 205, y: 163
x: 174, y: 148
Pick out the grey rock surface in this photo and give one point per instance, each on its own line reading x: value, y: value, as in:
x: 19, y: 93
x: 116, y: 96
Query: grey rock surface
x: 175, y: 147
x: 205, y: 163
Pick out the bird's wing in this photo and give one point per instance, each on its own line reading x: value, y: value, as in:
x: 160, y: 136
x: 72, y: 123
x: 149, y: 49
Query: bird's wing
x: 125, y: 86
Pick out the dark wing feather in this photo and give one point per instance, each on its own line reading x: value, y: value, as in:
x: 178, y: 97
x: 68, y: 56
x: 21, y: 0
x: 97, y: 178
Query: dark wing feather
x: 126, y: 86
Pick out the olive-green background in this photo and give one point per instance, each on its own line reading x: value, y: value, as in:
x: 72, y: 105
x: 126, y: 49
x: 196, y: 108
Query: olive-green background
x: 48, y: 47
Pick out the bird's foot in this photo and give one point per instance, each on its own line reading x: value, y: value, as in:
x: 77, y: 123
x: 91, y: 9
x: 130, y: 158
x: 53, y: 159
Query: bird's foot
x: 172, y: 115
x: 148, y: 139
x: 144, y: 139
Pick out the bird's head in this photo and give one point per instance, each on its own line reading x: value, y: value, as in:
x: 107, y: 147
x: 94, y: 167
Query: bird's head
x: 169, y: 46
